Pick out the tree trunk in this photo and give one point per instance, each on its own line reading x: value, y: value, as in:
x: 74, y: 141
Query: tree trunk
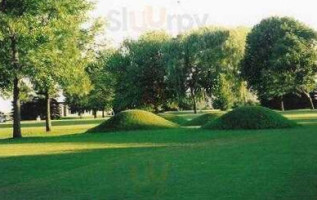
x: 282, y: 104
x: 194, y: 100
x: 94, y: 112
x: 103, y: 113
x: 65, y: 110
x: 312, y: 106
x: 16, y: 110
x: 48, y: 112
x: 16, y: 89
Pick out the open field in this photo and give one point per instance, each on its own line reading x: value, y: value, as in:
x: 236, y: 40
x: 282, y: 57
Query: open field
x: 183, y: 163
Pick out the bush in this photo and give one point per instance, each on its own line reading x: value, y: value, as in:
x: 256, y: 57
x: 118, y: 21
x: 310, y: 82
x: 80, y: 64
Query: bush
x: 174, y: 118
x: 250, y: 117
x: 134, y: 120
x: 203, y: 119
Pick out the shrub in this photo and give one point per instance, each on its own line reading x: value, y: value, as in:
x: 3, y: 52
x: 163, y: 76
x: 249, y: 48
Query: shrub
x: 134, y: 120
x: 203, y: 119
x: 250, y: 117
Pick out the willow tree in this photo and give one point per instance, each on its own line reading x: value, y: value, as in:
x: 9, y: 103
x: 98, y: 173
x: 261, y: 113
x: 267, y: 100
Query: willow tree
x: 27, y: 26
x: 206, y: 62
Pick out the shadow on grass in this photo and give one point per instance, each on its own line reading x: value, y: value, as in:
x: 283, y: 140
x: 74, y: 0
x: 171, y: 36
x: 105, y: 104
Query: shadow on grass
x: 248, y: 157
x: 38, y: 171
x: 180, y: 135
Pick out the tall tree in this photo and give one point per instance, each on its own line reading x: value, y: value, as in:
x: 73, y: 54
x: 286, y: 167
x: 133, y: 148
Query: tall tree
x: 281, y: 59
x: 206, y: 62
x: 143, y: 75
x: 103, y: 82
x: 27, y: 25
x: 61, y: 63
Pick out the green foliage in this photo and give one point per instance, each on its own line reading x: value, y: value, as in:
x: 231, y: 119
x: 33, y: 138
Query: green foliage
x: 140, y: 71
x: 199, y: 60
x: 77, y: 103
x: 103, y: 82
x: 204, y: 119
x: 174, y: 118
x: 156, y: 69
x: 280, y: 58
x: 250, y: 117
x: 224, y: 93
x: 46, y: 35
x: 44, y: 42
x: 30, y: 110
x: 134, y: 120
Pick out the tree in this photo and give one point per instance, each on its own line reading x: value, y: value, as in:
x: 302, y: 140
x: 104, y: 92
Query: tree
x: 101, y: 96
x: 61, y: 63
x: 175, y: 71
x: 26, y: 27
x: 20, y: 32
x: 205, y: 62
x: 140, y: 70
x: 281, y: 59
x: 77, y: 103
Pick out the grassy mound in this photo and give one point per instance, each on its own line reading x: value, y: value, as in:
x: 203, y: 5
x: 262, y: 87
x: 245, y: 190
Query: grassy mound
x: 174, y: 118
x: 203, y: 119
x: 250, y: 117
x: 134, y: 120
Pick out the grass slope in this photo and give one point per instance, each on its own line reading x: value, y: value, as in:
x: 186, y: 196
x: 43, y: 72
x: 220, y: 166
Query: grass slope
x: 174, y: 118
x: 250, y: 117
x: 134, y: 120
x: 203, y: 119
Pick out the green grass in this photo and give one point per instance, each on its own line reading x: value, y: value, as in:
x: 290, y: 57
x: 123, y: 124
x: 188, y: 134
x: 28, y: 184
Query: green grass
x: 134, y: 120
x: 172, y: 164
x: 65, y: 122
x: 250, y: 117
x: 60, y: 127
x: 204, y: 119
x: 177, y: 119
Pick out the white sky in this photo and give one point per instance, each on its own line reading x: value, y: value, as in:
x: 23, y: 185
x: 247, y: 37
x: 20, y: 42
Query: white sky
x: 219, y: 12
x: 130, y: 18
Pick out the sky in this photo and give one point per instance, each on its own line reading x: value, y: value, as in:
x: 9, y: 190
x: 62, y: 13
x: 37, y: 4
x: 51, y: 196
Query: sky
x: 130, y: 18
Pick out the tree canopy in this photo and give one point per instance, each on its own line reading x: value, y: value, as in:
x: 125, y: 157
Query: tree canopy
x: 281, y: 58
x: 36, y: 39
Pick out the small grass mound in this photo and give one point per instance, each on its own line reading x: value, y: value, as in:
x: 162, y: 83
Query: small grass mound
x: 174, y: 118
x: 250, y: 117
x: 203, y: 119
x: 134, y: 120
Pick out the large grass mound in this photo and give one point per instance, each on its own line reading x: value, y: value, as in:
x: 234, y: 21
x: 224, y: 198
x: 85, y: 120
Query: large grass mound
x: 134, y: 120
x: 174, y: 118
x: 203, y: 119
x: 250, y: 117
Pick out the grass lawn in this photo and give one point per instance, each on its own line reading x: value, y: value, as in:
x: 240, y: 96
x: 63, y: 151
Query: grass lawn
x: 183, y: 163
